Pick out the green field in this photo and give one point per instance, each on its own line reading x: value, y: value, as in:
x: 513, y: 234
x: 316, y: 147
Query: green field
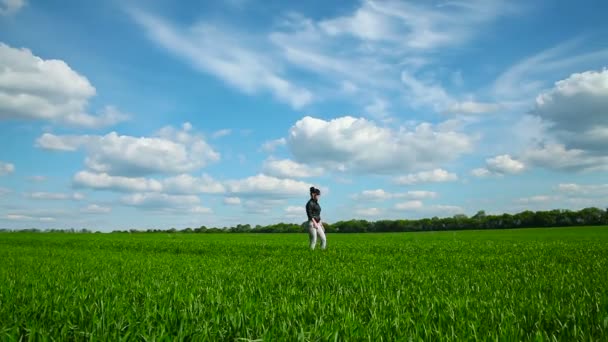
x: 532, y: 284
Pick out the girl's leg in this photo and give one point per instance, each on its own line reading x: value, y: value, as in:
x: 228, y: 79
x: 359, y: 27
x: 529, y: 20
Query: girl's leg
x: 321, y: 232
x: 312, y: 234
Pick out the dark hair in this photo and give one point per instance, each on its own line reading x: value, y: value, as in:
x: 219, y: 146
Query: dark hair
x: 314, y: 191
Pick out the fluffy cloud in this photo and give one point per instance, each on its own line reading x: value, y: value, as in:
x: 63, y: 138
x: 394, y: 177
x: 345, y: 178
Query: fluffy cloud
x: 54, y: 196
x: 368, y: 212
x: 103, y: 181
x: 262, y: 185
x: 435, y: 209
x: 504, y: 164
x: 6, y: 168
x: 499, y: 165
x: 587, y: 190
x: 557, y: 156
x: 537, y: 199
x: 294, y: 211
x: 571, y: 125
x: 181, y: 184
x: 221, y: 133
x: 37, y: 179
x: 263, y: 206
x: 8, y: 7
x: 201, y: 210
x: 161, y: 201
x: 38, y: 89
x: 532, y: 74
x: 472, y: 107
x: 286, y: 168
x: 170, y: 151
x: 226, y: 56
x: 272, y: 145
x: 381, y: 195
x: 232, y: 201
x: 418, y: 26
x: 409, y: 205
x: 19, y: 217
x: 481, y: 172
x: 432, y: 176
x: 577, y: 110
x: 96, y: 209
x: 186, y: 184
x: 359, y: 145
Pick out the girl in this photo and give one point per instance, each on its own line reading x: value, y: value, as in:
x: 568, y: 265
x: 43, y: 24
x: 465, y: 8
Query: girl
x: 315, y: 226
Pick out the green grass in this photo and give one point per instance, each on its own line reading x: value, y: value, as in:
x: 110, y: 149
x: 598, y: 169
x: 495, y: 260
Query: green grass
x: 532, y: 284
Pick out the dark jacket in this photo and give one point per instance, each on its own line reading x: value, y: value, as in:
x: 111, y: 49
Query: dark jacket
x: 313, y: 210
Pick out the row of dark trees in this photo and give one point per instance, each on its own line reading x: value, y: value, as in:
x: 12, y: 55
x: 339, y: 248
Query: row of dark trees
x: 526, y: 219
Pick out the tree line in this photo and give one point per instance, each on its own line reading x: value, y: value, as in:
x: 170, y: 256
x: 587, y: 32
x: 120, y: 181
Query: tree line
x: 526, y: 219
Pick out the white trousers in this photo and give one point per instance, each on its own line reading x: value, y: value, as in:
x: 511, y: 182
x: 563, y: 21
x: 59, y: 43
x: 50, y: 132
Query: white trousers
x: 313, y: 231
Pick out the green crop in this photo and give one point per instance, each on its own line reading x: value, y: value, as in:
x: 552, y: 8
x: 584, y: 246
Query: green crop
x: 507, y: 285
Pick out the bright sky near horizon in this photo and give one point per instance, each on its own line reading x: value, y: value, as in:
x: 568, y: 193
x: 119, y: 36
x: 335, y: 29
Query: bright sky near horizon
x: 158, y: 114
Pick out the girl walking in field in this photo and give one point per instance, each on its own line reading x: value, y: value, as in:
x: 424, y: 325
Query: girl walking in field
x: 315, y: 226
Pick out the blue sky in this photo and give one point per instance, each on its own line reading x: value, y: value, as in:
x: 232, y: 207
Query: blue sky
x: 148, y: 114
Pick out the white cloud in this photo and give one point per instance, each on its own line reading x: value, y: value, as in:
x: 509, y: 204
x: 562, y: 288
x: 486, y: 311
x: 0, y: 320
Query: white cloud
x: 37, y: 179
x: 181, y: 184
x: 18, y: 217
x: 378, y: 109
x: 8, y: 7
x: 232, y: 201
x: 271, y: 146
x: 4, y: 191
x: 201, y: 210
x: 586, y: 190
x: 103, y: 181
x: 262, y: 185
x: 373, y: 195
x: 504, y: 164
x: 417, y: 25
x: 557, y: 156
x: 576, y: 111
x: 425, y: 93
x: 38, y: 89
x: 432, y: 176
x: 472, y: 107
x: 186, y: 184
x: 6, y: 168
x: 286, y: 168
x: 368, y: 212
x: 359, y: 145
x: 263, y: 206
x: 499, y: 166
x: 537, y: 199
x: 170, y: 151
x: 417, y: 194
x: 160, y: 200
x: 294, y: 211
x: 96, y: 209
x: 409, y: 205
x: 481, y: 172
x: 445, y: 209
x: 382, y: 195
x: 62, y: 143
x: 532, y: 74
x: 54, y: 196
x: 228, y: 56
x: 221, y: 133
x: 428, y: 210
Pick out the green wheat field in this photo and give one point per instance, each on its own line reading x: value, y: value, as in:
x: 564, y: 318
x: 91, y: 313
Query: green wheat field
x: 502, y: 285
